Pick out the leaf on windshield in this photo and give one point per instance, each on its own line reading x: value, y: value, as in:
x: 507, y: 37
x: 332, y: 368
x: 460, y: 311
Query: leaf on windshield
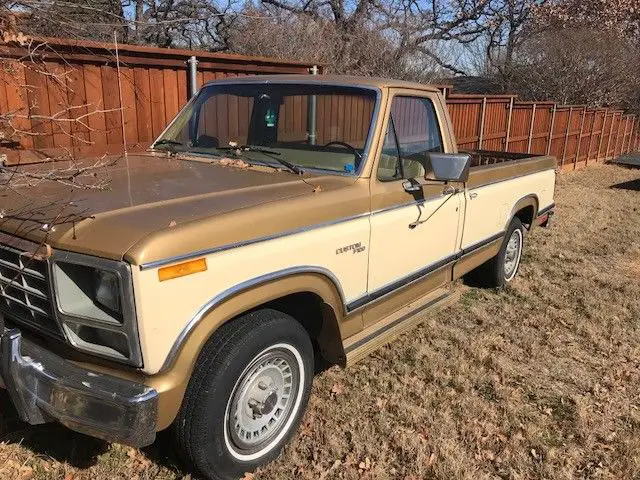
x: 234, y: 162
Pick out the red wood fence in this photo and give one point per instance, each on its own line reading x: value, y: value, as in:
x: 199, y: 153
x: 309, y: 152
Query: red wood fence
x: 74, y: 99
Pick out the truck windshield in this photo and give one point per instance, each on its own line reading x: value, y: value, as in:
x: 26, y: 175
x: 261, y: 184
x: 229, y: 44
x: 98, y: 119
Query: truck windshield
x: 307, y: 125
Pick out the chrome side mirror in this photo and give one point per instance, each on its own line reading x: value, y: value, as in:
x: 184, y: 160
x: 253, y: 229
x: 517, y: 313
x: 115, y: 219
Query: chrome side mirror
x: 449, y: 167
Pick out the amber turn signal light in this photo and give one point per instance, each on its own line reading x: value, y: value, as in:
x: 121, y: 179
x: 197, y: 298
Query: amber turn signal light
x: 182, y: 269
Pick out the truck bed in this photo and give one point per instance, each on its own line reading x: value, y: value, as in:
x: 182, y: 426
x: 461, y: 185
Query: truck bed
x: 488, y: 157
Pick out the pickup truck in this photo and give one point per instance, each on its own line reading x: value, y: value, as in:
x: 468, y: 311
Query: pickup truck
x: 279, y: 223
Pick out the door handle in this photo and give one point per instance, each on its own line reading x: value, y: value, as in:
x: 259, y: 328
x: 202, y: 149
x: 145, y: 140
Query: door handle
x: 449, y: 190
x: 473, y: 195
x: 411, y: 186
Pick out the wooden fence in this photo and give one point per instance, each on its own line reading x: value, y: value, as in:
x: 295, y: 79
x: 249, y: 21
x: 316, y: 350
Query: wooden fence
x: 76, y: 97
x: 575, y: 134
x: 68, y: 93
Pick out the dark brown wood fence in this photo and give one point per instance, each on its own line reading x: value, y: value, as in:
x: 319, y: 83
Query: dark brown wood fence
x: 73, y: 98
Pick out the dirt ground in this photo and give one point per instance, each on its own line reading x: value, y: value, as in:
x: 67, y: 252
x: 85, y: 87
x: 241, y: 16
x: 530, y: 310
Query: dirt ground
x: 539, y: 381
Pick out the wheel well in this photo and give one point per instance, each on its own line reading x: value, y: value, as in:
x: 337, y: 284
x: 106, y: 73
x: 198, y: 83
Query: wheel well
x: 526, y: 215
x: 320, y: 322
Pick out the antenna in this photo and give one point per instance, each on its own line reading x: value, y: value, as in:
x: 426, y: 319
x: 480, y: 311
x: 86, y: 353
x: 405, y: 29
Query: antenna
x: 124, y: 135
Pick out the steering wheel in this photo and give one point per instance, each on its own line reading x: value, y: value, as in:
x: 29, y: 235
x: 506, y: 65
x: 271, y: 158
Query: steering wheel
x: 353, y: 150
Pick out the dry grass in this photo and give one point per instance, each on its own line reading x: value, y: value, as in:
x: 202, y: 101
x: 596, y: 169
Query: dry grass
x: 540, y: 381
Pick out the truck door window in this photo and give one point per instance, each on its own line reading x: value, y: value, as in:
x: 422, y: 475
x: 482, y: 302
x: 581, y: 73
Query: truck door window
x: 412, y: 134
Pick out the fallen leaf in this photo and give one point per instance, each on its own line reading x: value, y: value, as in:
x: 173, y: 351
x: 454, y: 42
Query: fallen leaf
x: 317, y: 189
x: 337, y: 389
x: 26, y: 473
x: 233, y: 162
x: 172, y: 223
x: 248, y: 476
x: 432, y: 459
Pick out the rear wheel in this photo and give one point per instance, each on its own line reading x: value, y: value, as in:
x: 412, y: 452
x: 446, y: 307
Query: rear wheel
x: 502, y: 268
x: 247, y: 395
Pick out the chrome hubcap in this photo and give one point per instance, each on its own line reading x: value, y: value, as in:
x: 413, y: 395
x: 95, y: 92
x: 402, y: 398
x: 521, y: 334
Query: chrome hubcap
x: 512, y: 254
x: 262, y: 400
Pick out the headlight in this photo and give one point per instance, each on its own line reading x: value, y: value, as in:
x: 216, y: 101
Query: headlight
x: 107, y: 290
x: 94, y: 300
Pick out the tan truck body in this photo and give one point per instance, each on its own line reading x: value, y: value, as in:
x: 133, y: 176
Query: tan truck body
x: 341, y: 243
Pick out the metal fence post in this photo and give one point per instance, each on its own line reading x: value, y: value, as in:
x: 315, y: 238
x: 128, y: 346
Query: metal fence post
x: 482, y: 114
x: 533, y: 119
x: 566, y: 136
x: 506, y: 140
x: 313, y: 102
x: 192, y: 64
x: 584, y: 114
x: 553, y: 120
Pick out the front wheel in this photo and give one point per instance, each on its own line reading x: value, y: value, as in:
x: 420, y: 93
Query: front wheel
x: 501, y: 269
x: 247, y: 395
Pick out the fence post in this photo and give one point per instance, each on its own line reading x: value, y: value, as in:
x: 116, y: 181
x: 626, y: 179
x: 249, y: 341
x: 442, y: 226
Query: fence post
x: 312, y: 111
x: 575, y: 161
x: 566, y: 136
x: 633, y: 125
x: 553, y: 119
x: 481, y: 135
x: 593, y: 127
x: 624, y: 134
x: 533, y: 118
x: 506, y: 141
x: 192, y: 64
x: 606, y: 153
x: 604, y: 121
x: 615, y: 145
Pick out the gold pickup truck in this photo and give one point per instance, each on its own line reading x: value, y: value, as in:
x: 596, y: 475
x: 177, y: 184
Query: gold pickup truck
x: 277, y: 224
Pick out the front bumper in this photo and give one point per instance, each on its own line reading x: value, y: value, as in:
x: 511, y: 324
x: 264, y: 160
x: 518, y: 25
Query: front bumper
x: 45, y: 387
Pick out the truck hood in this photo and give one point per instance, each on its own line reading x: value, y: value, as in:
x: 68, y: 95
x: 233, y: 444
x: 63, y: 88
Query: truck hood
x: 144, y: 194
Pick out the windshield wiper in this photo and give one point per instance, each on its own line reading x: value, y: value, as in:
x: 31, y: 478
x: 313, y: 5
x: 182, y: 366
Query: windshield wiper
x: 169, y: 142
x: 271, y: 153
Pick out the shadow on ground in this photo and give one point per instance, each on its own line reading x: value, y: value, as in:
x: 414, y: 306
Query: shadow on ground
x: 633, y: 185
x: 66, y: 446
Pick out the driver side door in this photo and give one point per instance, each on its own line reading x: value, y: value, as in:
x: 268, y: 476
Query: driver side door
x: 415, y: 223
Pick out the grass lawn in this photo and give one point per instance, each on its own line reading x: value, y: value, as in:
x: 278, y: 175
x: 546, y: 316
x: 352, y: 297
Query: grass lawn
x: 539, y: 381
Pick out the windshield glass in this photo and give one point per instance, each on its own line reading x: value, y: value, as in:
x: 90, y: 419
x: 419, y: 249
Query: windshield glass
x: 307, y: 125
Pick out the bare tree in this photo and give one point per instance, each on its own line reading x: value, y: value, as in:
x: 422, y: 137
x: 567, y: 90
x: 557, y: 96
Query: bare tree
x: 165, y: 23
x: 578, y: 66
x: 60, y: 167
x: 507, y: 22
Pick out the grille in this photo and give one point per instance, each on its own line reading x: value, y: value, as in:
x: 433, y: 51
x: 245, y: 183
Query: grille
x: 24, y: 290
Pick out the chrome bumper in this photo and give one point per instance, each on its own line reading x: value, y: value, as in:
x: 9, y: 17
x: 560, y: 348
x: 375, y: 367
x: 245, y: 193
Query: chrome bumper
x: 45, y: 387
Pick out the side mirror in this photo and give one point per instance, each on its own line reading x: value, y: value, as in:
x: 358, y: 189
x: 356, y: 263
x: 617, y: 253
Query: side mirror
x: 449, y: 167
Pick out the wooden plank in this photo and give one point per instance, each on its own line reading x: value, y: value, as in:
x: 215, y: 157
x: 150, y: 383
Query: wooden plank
x: 171, y: 103
x: 95, y: 105
x: 111, y: 100
x: 59, y: 104
x: 38, y: 97
x: 127, y: 83
x: 78, y: 102
x: 13, y: 85
x: 156, y: 84
x: 143, y: 104
x: 183, y: 88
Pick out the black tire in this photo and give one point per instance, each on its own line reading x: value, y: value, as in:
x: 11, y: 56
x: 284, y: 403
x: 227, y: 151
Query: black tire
x: 492, y: 273
x: 202, y: 430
